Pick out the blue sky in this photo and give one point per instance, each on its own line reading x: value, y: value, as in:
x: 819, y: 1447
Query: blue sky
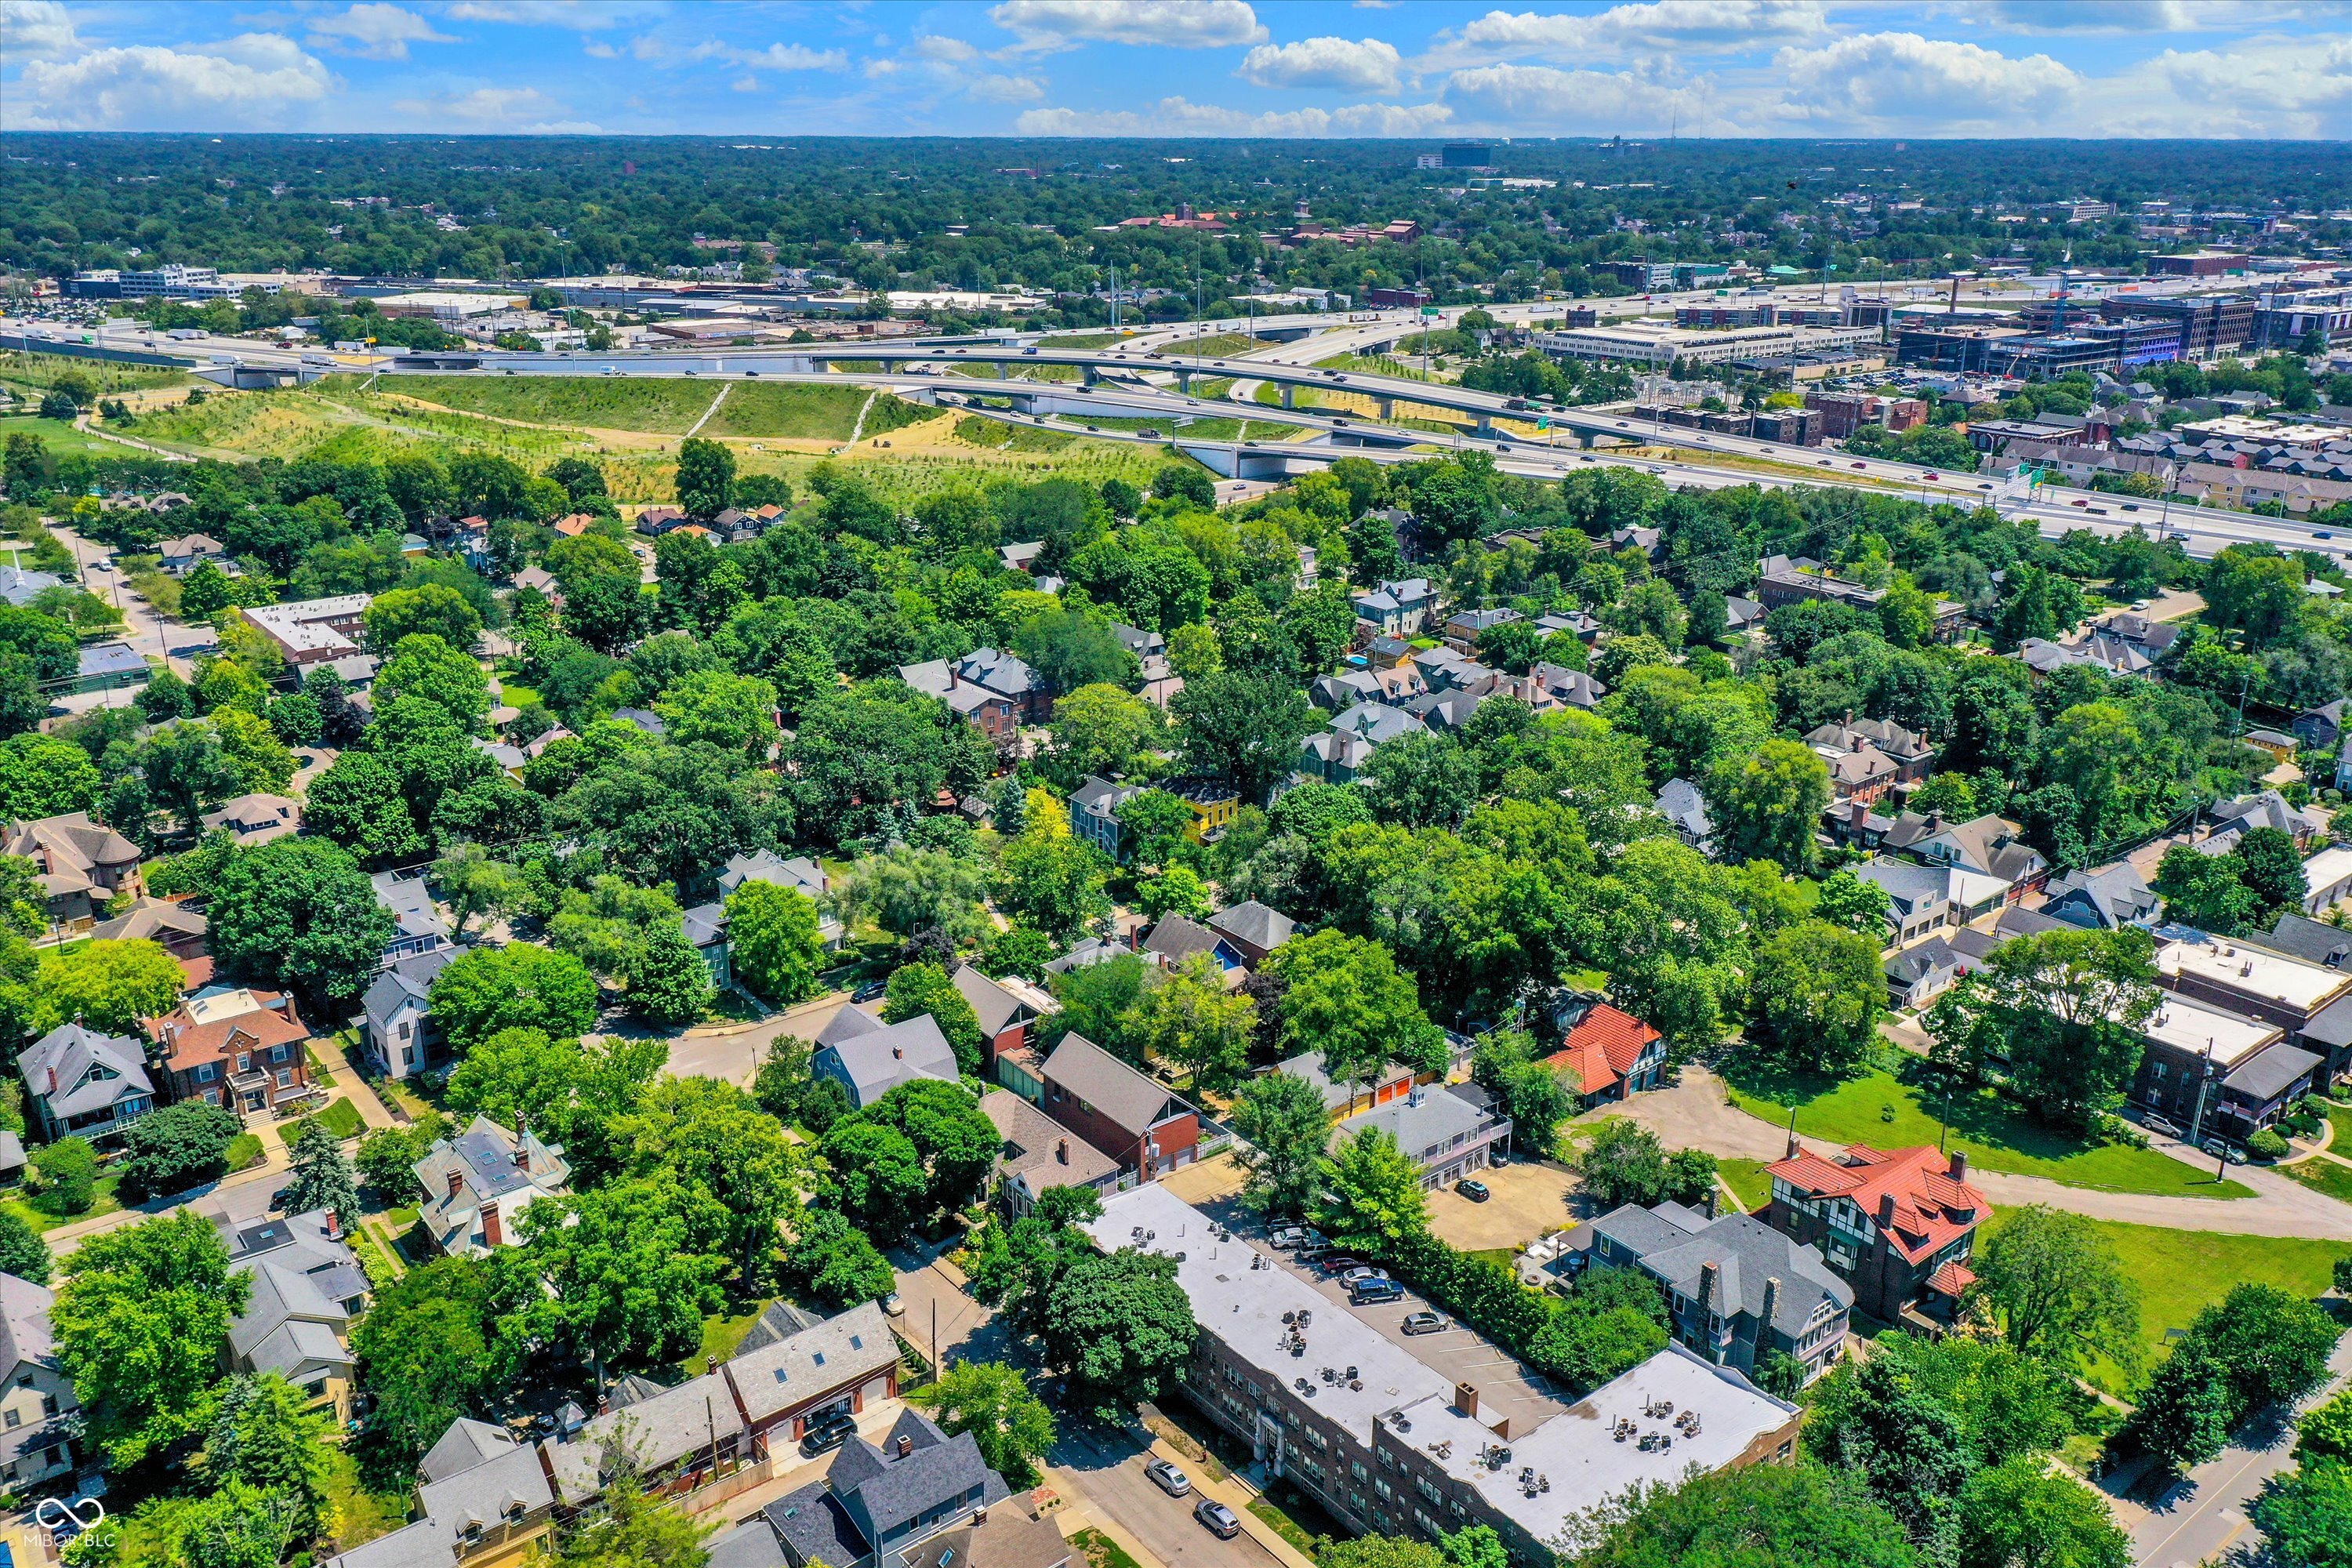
x: 1416, y: 68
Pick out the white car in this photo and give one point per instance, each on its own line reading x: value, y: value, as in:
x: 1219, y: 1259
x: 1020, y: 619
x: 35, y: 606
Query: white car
x: 1168, y: 1478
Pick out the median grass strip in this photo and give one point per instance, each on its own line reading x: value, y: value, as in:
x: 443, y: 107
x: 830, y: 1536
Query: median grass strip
x: 1879, y: 1109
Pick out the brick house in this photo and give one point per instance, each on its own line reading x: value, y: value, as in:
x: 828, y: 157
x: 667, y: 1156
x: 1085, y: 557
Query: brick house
x: 1898, y: 1225
x: 233, y: 1046
x: 1145, y: 1127
x: 1006, y: 1008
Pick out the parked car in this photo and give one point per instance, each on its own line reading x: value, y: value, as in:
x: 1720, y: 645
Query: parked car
x: 893, y: 1307
x: 827, y: 1435
x: 1338, y: 1263
x: 1364, y: 1276
x: 1222, y: 1522
x: 1474, y: 1190
x: 2221, y: 1151
x: 1424, y: 1323
x: 1374, y: 1292
x: 1288, y: 1236
x: 1168, y: 1478
x: 870, y: 990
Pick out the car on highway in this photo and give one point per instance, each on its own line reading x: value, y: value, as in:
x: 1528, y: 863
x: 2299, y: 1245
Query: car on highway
x: 1424, y: 1323
x: 1028, y: 351
x: 1931, y: 474
x: 1249, y: 443
x: 1864, y: 466
x: 1825, y: 463
x: 1656, y: 469
x: 1150, y: 434
x: 1374, y: 1293
x: 2081, y: 503
x: 1984, y: 487
x: 1096, y: 429
x: 1476, y: 1190
x: 2315, y: 534
x: 1221, y: 1521
x: 1164, y: 1475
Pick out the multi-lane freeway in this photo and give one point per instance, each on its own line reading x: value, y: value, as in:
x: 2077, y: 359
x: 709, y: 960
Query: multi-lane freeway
x: 1133, y: 375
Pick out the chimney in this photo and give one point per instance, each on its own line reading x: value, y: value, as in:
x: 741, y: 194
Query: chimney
x: 490, y: 1235
x: 1858, y: 813
x: 1764, y: 1312
x: 457, y: 1182
x: 906, y: 1446
x: 1959, y: 1165
x: 335, y: 1226
x: 1061, y: 1151
x: 1710, y: 1284
x: 1886, y: 1220
x: 53, y: 1079
x: 1710, y: 1202
x: 1466, y: 1400
x: 897, y: 1053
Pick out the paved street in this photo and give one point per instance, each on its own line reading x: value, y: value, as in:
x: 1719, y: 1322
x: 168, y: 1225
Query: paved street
x: 2206, y: 1515
x: 1107, y: 1469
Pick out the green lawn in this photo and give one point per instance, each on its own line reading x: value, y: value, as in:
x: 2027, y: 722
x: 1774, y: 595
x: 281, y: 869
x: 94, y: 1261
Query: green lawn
x: 60, y: 437
x: 2323, y: 1174
x: 36, y: 1212
x: 1282, y: 1525
x: 2181, y: 1272
x: 720, y: 1335
x: 244, y: 1151
x: 2339, y: 1116
x: 1102, y: 1552
x: 515, y: 694
x: 343, y: 1118
x: 1747, y: 1179
x: 1878, y: 1109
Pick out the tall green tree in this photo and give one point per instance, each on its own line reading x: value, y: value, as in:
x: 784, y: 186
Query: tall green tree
x: 706, y: 477
x: 321, y: 1177
x: 1118, y: 1325
x: 773, y: 943
x: 1756, y: 1516
x: 2057, y: 1289
x: 299, y: 913
x: 140, y: 1322
x: 521, y: 985
x: 1371, y: 1199
x: 1768, y: 803
x: 1819, y: 992
x: 916, y: 989
x: 993, y: 1401
x: 1285, y: 1131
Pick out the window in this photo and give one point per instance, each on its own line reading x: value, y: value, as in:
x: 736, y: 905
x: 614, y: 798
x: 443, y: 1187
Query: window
x: 11, y: 1419
x: 244, y: 1061
x: 277, y: 1053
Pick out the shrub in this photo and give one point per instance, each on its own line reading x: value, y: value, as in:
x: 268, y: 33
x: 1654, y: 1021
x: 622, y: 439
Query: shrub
x: 2268, y: 1145
x: 68, y: 1170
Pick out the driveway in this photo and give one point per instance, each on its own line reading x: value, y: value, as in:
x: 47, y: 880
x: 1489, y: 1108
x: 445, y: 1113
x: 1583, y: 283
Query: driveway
x: 1104, y: 1468
x: 734, y: 1052
x: 1528, y: 1200
x: 1697, y: 1113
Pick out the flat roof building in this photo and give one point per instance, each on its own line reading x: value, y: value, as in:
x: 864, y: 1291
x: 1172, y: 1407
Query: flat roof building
x: 1388, y: 1442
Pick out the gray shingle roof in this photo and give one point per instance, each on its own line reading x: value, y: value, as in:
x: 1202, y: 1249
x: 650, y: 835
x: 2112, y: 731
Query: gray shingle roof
x: 1747, y: 1252
x: 1257, y: 925
x: 783, y: 1373
x: 465, y: 1444
x: 2314, y: 942
x: 750, y: 1545
x: 875, y: 1060
x: 1177, y: 938
x: 2271, y: 1072
x: 1419, y: 1122
x: 1123, y: 1096
x: 410, y: 980
x: 990, y: 1003
x: 489, y: 1492
x: 427, y: 1544
x: 82, y: 1059
x: 658, y: 1431
x: 816, y: 1528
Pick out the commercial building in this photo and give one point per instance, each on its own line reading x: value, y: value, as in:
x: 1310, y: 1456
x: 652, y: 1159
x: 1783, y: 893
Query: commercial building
x: 2199, y: 264
x: 313, y: 631
x: 1844, y: 413
x: 2217, y: 1074
x: 2211, y: 323
x: 447, y: 304
x: 1657, y: 343
x: 1389, y: 1443
x: 2312, y: 1003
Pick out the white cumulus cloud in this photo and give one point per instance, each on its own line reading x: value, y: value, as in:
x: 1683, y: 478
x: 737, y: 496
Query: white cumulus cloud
x: 30, y: 28
x: 1678, y: 25
x: 1182, y: 117
x: 1905, y: 82
x: 932, y: 46
x: 1367, y: 65
x: 1574, y: 102
x: 508, y: 108
x: 377, y: 31
x: 1163, y: 23
x: 248, y: 80
x: 581, y: 17
x: 792, y: 58
x: 994, y: 88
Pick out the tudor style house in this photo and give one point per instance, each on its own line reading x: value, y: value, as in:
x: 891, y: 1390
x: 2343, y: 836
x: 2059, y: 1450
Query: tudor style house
x: 1899, y: 1225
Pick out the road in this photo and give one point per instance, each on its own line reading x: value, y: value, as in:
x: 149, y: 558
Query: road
x: 2205, y: 1515
x: 1107, y: 1467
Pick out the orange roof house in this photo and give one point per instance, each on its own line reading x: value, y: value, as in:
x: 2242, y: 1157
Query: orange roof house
x: 1608, y: 1053
x: 1899, y: 1225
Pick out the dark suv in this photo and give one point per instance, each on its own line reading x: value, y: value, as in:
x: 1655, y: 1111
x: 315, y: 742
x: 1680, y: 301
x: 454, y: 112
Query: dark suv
x: 823, y: 1436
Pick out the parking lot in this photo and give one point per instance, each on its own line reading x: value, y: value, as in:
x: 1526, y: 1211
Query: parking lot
x: 1526, y: 1200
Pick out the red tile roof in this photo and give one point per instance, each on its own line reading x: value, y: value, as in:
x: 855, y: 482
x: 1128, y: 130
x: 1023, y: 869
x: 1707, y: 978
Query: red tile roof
x: 1951, y: 1279
x: 1602, y: 1048
x: 1931, y: 1208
